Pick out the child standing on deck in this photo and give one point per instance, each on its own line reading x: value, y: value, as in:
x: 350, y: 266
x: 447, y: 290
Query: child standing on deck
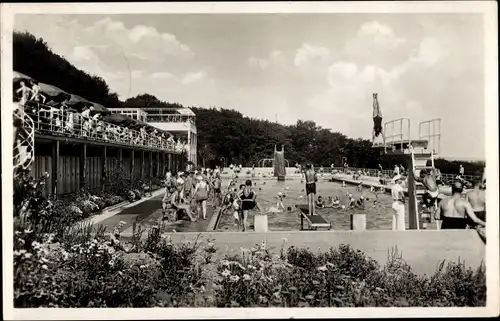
x: 280, y: 201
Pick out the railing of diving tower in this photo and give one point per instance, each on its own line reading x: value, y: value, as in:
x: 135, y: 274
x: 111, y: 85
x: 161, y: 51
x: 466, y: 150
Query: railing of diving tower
x: 432, y: 136
x: 393, y: 136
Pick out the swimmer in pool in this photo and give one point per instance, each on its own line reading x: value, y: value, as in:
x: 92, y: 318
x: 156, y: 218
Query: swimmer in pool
x: 455, y: 211
x: 248, y: 202
x: 359, y: 188
x: 428, y: 179
x: 477, y: 199
x: 343, y: 184
x: 352, y: 200
x: 333, y: 202
x: 320, y: 203
x: 360, y: 202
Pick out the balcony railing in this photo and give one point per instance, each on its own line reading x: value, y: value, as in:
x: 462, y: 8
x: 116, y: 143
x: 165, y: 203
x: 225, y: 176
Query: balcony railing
x: 446, y: 178
x: 72, y: 124
x: 169, y: 118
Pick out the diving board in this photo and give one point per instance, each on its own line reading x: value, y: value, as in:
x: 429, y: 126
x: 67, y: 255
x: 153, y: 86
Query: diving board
x: 314, y: 221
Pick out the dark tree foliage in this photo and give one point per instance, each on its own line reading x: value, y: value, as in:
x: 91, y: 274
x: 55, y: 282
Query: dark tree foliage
x: 32, y: 56
x: 147, y: 100
x: 222, y: 134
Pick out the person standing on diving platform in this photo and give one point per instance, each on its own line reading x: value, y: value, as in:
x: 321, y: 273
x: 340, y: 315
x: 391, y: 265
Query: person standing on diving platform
x: 377, y: 120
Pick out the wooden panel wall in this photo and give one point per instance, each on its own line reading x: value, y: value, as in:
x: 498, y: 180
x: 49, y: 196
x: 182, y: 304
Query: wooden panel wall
x: 94, y: 172
x: 69, y: 176
x: 41, y: 165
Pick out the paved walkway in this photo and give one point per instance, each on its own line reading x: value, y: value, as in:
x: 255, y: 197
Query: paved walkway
x: 149, y: 213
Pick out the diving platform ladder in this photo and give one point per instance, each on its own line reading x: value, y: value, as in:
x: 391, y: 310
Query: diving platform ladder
x: 418, y: 153
x: 419, y: 217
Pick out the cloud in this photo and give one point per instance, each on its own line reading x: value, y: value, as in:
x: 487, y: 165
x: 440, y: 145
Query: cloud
x: 164, y: 75
x: 194, y: 77
x: 275, y: 57
x: 309, y: 54
x: 375, y: 43
x: 430, y: 51
x: 380, y: 33
x: 108, y: 48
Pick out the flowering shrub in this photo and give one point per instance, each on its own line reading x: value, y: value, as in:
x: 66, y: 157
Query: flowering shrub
x: 341, y: 277
x: 57, y: 265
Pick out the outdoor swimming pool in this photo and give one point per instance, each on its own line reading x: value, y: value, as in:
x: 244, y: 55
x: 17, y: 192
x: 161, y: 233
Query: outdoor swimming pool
x: 378, y: 216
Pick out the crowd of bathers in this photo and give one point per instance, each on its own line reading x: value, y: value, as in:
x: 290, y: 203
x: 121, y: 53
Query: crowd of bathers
x: 187, y: 194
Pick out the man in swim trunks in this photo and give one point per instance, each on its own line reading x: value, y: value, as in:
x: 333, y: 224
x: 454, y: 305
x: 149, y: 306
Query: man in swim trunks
x: 216, y: 183
x: 311, y: 179
x: 477, y: 200
x: 428, y: 179
x: 455, y: 211
x: 377, y: 119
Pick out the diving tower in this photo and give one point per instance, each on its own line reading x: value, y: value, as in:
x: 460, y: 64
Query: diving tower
x: 418, y: 154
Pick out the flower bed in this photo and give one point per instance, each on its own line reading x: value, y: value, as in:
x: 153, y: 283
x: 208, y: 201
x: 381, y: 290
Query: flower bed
x: 82, y: 266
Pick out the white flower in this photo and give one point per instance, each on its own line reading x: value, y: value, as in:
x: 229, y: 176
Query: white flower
x: 322, y: 268
x: 234, y: 278
x: 246, y: 277
x: 226, y: 273
x: 44, y: 267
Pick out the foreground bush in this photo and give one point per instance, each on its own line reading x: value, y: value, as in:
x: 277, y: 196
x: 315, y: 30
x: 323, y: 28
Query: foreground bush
x: 341, y: 277
x: 57, y: 265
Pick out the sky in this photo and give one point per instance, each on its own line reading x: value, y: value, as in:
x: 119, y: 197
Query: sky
x: 320, y: 67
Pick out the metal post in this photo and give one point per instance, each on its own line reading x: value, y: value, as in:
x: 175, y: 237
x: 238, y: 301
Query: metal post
x: 409, y: 133
x: 401, y: 132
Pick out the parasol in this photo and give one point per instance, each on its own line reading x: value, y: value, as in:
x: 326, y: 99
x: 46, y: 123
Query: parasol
x: 53, y: 91
x: 100, y: 109
x: 17, y: 76
x: 119, y: 119
x: 78, y: 102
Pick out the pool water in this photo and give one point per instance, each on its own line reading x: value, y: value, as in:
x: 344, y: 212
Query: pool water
x: 378, y: 215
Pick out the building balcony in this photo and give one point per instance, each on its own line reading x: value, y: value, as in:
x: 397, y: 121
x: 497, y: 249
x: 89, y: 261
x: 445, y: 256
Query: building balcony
x: 57, y: 123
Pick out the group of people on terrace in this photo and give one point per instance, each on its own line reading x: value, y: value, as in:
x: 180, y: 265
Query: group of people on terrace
x: 59, y: 118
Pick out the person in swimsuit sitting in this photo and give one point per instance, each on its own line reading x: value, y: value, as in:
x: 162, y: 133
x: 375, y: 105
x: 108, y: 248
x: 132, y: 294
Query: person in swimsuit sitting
x: 428, y: 179
x: 377, y: 119
x: 454, y: 210
x: 477, y: 199
x: 248, y: 202
x: 177, y: 203
x: 311, y: 179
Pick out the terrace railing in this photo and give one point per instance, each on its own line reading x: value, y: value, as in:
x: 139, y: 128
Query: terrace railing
x: 169, y: 118
x: 375, y: 172
x: 72, y: 124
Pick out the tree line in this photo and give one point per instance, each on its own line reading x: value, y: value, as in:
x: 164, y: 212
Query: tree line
x: 224, y: 136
